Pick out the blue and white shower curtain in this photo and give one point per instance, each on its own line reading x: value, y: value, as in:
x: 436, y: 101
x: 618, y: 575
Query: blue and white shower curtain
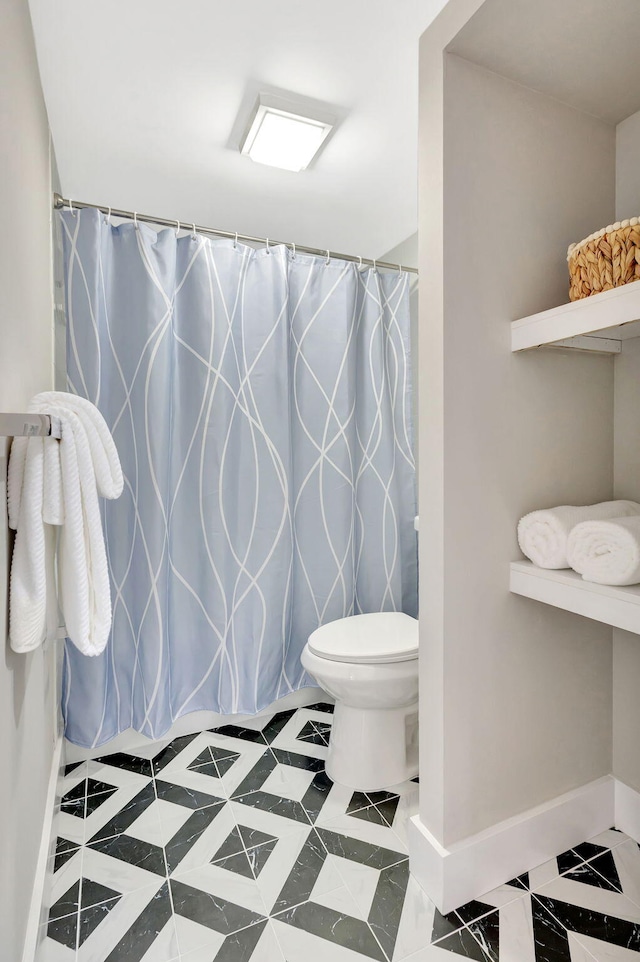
x: 261, y: 405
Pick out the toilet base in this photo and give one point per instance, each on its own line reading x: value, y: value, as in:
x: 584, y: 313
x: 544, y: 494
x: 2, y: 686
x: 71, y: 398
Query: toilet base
x: 371, y: 749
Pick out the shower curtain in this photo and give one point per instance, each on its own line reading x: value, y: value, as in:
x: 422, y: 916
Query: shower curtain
x: 260, y: 402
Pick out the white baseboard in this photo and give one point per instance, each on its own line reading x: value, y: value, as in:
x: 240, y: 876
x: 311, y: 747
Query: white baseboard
x: 195, y: 721
x: 39, y: 894
x: 627, y: 810
x: 476, y: 865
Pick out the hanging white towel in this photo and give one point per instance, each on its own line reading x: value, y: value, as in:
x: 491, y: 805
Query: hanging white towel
x: 542, y: 535
x: 54, y: 482
x: 606, y: 552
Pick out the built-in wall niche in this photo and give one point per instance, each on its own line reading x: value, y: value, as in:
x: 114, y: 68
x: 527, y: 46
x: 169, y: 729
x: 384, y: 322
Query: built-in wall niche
x: 609, y: 324
x: 579, y: 55
x: 530, y: 141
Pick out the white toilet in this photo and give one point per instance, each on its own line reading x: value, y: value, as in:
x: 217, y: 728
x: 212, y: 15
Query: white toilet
x: 369, y: 663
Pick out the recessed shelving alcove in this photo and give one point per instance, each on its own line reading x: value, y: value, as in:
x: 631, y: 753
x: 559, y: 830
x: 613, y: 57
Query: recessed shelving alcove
x: 602, y: 324
x: 530, y: 140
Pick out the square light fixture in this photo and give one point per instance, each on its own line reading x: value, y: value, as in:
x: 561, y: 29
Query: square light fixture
x: 285, y: 134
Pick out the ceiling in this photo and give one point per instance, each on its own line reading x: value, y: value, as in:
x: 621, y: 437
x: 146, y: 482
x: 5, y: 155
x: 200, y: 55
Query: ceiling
x: 575, y: 51
x: 144, y: 98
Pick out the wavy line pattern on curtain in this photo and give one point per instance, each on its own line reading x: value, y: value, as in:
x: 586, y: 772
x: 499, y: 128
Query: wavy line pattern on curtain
x: 260, y: 404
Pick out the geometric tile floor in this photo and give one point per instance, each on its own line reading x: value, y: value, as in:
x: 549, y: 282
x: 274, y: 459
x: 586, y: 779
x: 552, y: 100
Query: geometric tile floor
x: 232, y: 845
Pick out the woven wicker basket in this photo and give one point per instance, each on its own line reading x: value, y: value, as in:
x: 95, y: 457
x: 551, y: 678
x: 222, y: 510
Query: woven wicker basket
x: 609, y: 258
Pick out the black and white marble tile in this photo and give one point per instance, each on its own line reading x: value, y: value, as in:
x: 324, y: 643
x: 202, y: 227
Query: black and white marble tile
x: 212, y: 763
x: 233, y: 845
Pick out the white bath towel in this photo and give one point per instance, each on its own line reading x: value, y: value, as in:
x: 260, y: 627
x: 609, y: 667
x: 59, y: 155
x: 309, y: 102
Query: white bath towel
x: 606, y: 552
x: 57, y: 483
x: 542, y: 535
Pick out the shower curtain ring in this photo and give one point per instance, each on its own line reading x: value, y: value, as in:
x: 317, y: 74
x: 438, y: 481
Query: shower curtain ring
x: 328, y: 260
x: 268, y: 248
x: 135, y: 220
x: 359, y: 263
x: 235, y: 242
x: 177, y: 227
x: 72, y: 208
x: 375, y: 266
x: 194, y: 234
x: 293, y: 251
x: 108, y: 218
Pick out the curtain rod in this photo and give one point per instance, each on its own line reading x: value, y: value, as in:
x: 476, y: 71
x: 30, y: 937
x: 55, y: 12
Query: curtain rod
x: 59, y: 202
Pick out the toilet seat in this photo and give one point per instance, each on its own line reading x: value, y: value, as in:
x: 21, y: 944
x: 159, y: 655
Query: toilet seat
x: 373, y: 639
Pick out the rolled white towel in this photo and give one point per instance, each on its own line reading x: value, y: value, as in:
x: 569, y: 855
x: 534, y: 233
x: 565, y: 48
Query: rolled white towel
x: 606, y: 552
x: 542, y: 535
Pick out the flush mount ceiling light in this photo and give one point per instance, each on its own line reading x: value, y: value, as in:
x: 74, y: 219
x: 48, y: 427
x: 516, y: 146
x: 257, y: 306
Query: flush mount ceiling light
x: 285, y: 134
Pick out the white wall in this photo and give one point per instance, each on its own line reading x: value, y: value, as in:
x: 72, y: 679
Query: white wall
x: 27, y: 712
x: 626, y: 646
x: 626, y: 708
x: 628, y: 168
x: 516, y: 696
x: 404, y: 253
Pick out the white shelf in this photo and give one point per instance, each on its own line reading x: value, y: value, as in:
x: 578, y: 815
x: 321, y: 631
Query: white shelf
x: 619, y: 607
x: 608, y: 318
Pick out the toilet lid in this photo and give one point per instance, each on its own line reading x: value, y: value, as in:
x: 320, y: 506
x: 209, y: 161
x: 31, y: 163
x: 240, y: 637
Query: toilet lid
x: 385, y: 636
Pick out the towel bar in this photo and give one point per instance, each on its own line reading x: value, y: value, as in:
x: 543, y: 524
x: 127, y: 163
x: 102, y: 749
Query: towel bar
x: 29, y: 426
